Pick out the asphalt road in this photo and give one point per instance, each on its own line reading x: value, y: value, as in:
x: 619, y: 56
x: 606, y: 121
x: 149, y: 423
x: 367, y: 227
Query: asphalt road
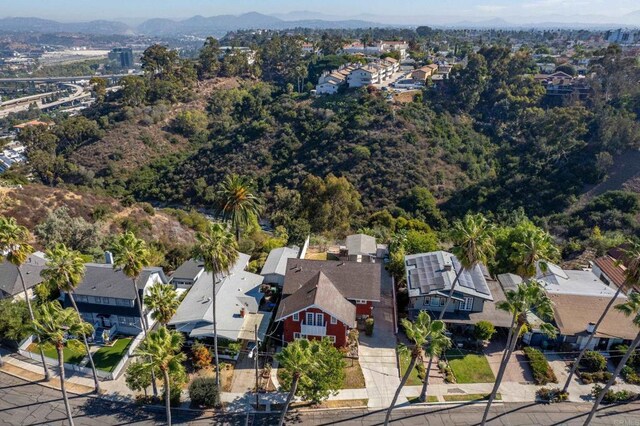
x: 24, y: 403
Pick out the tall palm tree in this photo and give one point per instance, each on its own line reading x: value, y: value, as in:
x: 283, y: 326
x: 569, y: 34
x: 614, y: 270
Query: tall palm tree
x: 629, y: 308
x: 419, y: 333
x: 15, y: 248
x: 438, y: 343
x: 219, y: 252
x: 237, y: 203
x: 473, y: 244
x: 296, y: 358
x: 632, y: 278
x: 528, y: 298
x: 162, y: 350
x: 65, y: 270
x: 53, y: 325
x: 533, y: 248
x: 130, y: 254
x: 163, y: 302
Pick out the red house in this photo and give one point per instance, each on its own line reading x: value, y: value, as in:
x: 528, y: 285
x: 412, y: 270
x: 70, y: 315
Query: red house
x: 325, y: 298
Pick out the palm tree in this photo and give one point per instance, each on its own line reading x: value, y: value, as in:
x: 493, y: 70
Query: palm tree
x: 473, y: 245
x: 632, y: 278
x: 296, y: 359
x: 53, y: 325
x: 419, y: 332
x: 438, y: 343
x: 629, y: 308
x: 528, y: 298
x: 65, y: 270
x: 163, y: 302
x: 162, y: 350
x: 131, y: 255
x: 14, y: 246
x: 236, y: 203
x: 219, y: 251
x: 533, y: 248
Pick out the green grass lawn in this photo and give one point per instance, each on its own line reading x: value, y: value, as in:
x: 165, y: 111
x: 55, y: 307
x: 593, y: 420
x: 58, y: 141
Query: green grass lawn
x: 470, y: 397
x: 73, y: 352
x: 416, y: 400
x: 405, y: 359
x: 107, y: 357
x: 469, y: 367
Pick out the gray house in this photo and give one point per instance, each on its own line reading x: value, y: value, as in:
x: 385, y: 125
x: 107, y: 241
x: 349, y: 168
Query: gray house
x: 106, y: 298
x: 187, y: 274
x: 10, y: 284
x: 275, y: 267
x: 429, y: 280
x: 362, y: 248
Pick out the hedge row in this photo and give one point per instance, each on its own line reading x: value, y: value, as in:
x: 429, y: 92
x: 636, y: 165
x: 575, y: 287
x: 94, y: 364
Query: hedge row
x: 542, y: 372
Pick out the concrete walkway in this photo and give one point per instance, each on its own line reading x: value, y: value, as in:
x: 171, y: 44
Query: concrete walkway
x: 377, y: 353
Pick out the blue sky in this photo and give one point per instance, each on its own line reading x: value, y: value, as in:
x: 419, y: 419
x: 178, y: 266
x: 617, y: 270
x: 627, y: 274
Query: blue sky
x: 70, y: 10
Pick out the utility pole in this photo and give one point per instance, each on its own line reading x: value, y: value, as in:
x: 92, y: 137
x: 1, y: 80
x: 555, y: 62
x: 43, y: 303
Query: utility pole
x: 255, y: 335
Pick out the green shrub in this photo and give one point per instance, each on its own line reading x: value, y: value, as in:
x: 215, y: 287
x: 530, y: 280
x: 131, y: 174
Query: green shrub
x: 422, y: 371
x: 542, y: 372
x: 368, y: 324
x: 597, y: 377
x: 612, y: 396
x: 552, y: 395
x: 618, y: 351
x: 484, y: 330
x: 630, y: 375
x: 593, y: 361
x: 202, y: 392
x: 148, y: 209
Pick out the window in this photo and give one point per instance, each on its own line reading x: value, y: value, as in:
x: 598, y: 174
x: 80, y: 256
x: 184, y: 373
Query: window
x: 442, y: 301
x: 435, y: 301
x: 334, y: 320
x: 332, y: 339
x: 296, y: 317
x: 319, y: 319
x: 81, y: 298
x: 467, y: 304
x: 123, y: 302
x: 122, y: 320
x: 296, y: 336
x: 309, y: 318
x: 97, y: 299
x: 361, y: 302
x: 427, y: 301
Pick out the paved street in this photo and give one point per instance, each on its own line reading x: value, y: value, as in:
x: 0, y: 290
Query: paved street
x: 24, y: 403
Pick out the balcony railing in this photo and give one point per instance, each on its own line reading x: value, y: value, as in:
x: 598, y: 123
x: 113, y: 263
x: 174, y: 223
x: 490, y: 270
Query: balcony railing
x: 313, y: 330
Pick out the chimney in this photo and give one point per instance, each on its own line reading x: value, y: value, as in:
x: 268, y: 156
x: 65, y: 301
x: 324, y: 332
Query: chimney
x: 447, y: 267
x: 591, y: 327
x: 242, y: 312
x: 108, y: 258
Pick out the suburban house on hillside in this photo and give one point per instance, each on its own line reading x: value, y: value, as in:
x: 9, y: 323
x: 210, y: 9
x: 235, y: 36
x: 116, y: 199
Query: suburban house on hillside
x: 10, y: 284
x: 423, y: 73
x: 326, y: 298
x: 579, y: 298
x: 106, y: 298
x: 187, y: 274
x: 275, y: 267
x: 429, y: 280
x: 362, y: 248
x: 610, y: 268
x: 238, y: 298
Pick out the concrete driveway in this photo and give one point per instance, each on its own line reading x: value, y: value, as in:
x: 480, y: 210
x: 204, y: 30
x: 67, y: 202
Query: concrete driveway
x: 378, y: 352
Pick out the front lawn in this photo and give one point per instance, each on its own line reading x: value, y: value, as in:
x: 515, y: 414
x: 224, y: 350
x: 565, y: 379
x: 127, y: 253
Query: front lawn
x: 405, y: 359
x: 107, y: 357
x: 73, y: 352
x: 469, y: 367
x: 353, y: 377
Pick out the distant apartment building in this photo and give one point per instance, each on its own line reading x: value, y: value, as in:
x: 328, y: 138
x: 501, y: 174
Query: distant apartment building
x: 377, y: 48
x: 622, y: 36
x: 563, y: 84
x: 331, y: 81
x: 373, y: 73
x: 122, y: 56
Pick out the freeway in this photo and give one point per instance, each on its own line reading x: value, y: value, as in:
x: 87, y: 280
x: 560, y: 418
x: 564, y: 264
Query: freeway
x: 61, y: 79
x: 23, y: 403
x: 23, y: 104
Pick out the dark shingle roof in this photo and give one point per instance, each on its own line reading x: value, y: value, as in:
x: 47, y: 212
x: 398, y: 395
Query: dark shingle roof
x: 321, y: 292
x: 10, y: 284
x: 188, y: 270
x: 103, y: 280
x: 354, y: 280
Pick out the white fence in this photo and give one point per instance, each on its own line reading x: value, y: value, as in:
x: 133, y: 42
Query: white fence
x: 106, y: 375
x: 305, y: 246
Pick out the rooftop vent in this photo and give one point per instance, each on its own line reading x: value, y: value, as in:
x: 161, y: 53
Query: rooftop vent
x: 591, y: 327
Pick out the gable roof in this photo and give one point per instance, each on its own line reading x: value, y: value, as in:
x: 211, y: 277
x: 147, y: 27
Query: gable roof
x: 189, y: 270
x: 102, y: 280
x: 614, y: 272
x: 276, y: 262
x: 354, y: 280
x: 10, y: 279
x: 361, y: 244
x: 436, y: 271
x: 319, y: 292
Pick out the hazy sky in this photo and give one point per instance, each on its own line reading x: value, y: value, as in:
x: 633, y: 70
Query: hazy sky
x: 70, y: 10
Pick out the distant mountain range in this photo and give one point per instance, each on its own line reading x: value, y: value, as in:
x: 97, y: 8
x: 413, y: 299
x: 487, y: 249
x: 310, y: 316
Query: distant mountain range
x: 221, y: 24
